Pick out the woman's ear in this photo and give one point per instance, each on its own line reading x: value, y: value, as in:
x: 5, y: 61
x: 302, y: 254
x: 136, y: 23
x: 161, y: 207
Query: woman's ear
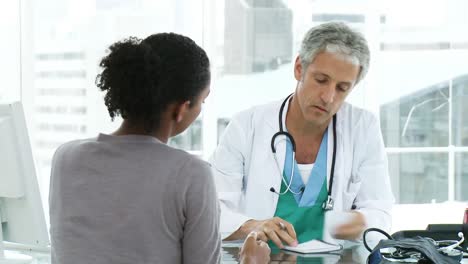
x: 181, y: 110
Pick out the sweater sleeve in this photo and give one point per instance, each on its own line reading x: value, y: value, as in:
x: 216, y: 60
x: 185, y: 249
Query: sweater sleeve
x: 201, y: 241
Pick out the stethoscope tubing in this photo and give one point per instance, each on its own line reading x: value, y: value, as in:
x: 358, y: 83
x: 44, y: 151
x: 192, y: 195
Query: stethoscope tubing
x: 282, y: 132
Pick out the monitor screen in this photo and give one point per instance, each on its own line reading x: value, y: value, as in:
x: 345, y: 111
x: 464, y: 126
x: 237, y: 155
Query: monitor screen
x: 21, y: 212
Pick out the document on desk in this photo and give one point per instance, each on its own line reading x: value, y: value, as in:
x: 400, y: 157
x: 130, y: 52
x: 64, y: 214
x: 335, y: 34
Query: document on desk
x: 333, y: 220
x: 314, y: 246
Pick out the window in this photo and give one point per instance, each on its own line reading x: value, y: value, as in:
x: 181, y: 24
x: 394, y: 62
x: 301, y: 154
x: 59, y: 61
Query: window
x: 10, y: 51
x: 417, y: 83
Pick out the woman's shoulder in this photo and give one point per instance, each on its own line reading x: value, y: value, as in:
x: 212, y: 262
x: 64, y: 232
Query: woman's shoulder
x: 196, y: 166
x: 72, y: 145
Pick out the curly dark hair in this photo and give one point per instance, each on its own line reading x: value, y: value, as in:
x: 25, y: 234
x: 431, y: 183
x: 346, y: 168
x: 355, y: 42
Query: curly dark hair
x: 142, y: 77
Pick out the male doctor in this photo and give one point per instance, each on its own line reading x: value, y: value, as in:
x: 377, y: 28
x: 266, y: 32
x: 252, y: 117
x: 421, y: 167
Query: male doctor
x: 279, y: 167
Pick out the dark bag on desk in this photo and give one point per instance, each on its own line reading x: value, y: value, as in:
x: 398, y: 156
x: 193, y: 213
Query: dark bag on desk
x: 437, y: 232
x: 419, y: 248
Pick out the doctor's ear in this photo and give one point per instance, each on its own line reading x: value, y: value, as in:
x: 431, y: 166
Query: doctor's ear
x: 180, y: 111
x: 298, y: 69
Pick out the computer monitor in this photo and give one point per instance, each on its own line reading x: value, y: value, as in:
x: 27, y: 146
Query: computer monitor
x: 21, y: 212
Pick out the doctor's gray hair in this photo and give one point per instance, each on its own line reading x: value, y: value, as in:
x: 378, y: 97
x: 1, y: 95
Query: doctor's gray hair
x: 338, y: 38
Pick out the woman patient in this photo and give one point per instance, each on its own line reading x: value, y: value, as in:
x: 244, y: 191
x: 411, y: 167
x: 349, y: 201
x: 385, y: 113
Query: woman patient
x: 128, y: 197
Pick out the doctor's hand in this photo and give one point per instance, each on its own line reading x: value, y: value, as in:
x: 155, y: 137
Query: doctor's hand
x: 254, y: 251
x: 275, y: 229
x: 352, y: 230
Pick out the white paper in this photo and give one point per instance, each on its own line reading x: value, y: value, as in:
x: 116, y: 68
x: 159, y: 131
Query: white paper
x: 332, y: 221
x: 314, y: 246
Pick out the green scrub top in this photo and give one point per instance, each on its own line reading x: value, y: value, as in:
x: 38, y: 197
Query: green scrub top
x: 304, y: 210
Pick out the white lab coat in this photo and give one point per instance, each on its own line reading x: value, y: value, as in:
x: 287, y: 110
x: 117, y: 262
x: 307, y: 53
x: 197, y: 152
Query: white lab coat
x: 244, y: 167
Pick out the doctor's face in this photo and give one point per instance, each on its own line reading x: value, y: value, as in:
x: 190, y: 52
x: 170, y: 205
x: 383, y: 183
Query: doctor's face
x: 324, y: 85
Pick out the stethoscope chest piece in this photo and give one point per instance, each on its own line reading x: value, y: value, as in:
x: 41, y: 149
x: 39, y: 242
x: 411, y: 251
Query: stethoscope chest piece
x: 328, y: 204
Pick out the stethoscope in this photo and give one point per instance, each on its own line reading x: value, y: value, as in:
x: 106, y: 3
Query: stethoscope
x: 328, y: 204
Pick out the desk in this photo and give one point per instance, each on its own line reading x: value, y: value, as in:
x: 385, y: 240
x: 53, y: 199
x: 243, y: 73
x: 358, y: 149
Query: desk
x: 351, y: 255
